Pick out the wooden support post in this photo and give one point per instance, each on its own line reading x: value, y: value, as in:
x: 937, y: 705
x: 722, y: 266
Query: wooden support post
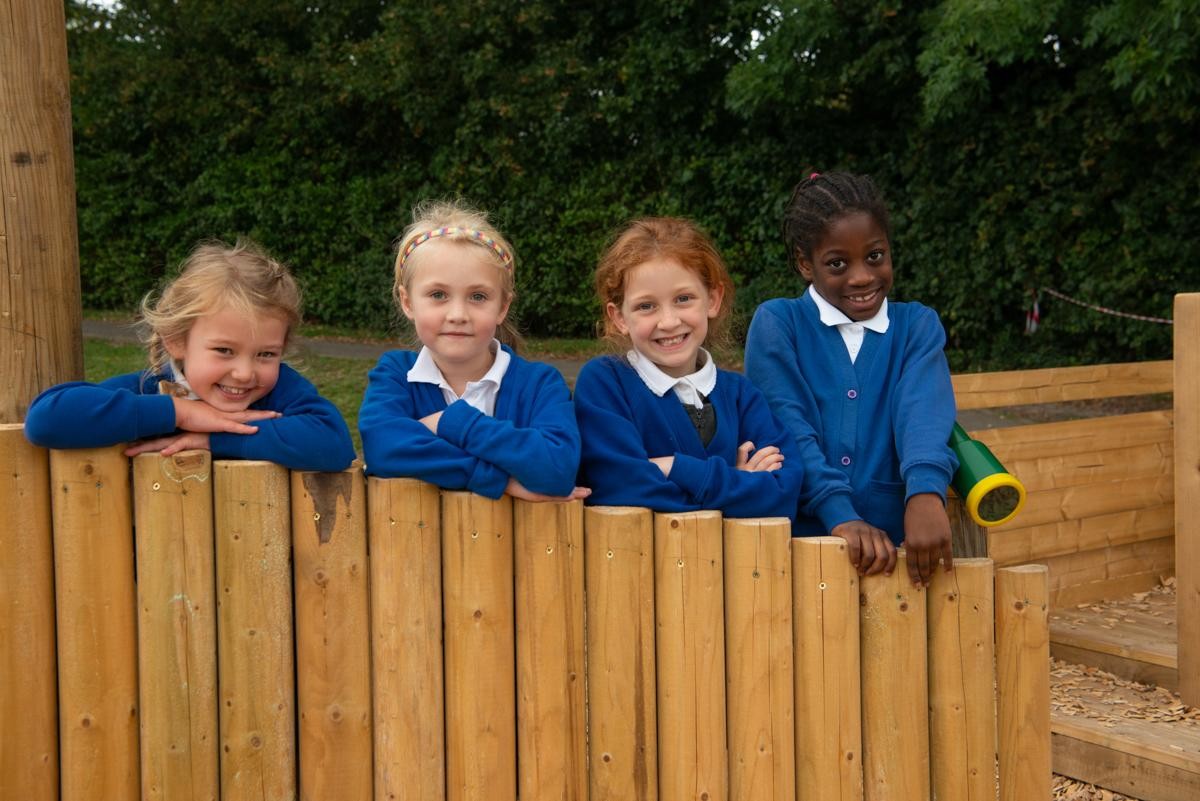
x: 406, y: 637
x: 622, y: 712
x: 1187, y: 493
x: 40, y: 340
x: 825, y: 617
x: 895, y: 706
x: 962, y: 694
x: 758, y: 659
x: 252, y: 510
x: 177, y: 625
x: 481, y: 712
x: 690, y: 628
x: 333, y: 663
x: 96, y: 605
x: 1023, y: 681
x: 28, y: 696
x: 551, y: 734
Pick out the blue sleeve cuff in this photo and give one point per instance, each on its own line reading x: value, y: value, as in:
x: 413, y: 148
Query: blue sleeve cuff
x: 691, y: 475
x: 155, y: 415
x: 835, y: 510
x: 487, y: 479
x: 455, y: 421
x: 922, y: 478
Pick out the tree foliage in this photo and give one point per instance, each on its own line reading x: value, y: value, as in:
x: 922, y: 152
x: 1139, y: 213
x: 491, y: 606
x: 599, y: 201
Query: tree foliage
x: 1022, y: 143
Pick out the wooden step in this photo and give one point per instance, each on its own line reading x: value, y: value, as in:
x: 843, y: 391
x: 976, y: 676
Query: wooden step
x: 1134, y: 638
x: 1135, y: 739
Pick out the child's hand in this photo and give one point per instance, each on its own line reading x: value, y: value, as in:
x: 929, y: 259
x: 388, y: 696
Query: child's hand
x: 763, y: 460
x: 926, y: 537
x: 196, y: 415
x: 517, y: 490
x: 664, y: 463
x: 430, y: 421
x: 187, y: 441
x: 871, y: 550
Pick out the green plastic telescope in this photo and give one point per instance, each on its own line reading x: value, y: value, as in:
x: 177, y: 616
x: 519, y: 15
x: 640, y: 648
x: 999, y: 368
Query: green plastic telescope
x: 991, y: 494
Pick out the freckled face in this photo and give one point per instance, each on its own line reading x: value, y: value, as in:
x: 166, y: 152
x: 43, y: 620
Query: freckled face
x: 229, y: 360
x: 851, y: 267
x: 665, y: 314
x: 456, y: 301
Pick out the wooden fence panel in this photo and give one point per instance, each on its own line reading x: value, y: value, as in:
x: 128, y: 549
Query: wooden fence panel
x: 758, y: 659
x: 1023, y: 682
x: 828, y: 695
x: 96, y: 606
x: 690, y: 643
x: 333, y: 665
x: 895, y: 705
x: 477, y: 582
x: 177, y: 626
x: 1053, y: 384
x: 406, y: 638
x: 1187, y: 492
x: 621, y: 689
x: 256, y: 662
x: 551, y: 733
x: 962, y: 695
x: 28, y: 696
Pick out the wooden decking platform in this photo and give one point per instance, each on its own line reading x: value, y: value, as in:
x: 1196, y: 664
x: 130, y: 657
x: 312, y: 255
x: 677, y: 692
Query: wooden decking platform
x: 1136, y: 739
x: 1134, y: 638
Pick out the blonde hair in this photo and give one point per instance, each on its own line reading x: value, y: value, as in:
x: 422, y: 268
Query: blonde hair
x: 242, y: 278
x: 663, y: 238
x: 472, y: 228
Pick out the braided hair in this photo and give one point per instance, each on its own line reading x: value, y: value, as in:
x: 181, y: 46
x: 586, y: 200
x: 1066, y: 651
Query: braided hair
x: 819, y: 200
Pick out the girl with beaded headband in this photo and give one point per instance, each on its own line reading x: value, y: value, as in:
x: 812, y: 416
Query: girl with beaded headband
x: 464, y: 411
x: 861, y: 382
x: 216, y: 381
x: 662, y: 427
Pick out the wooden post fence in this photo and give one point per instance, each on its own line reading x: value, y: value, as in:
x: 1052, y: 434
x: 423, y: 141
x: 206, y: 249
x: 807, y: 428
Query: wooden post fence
x: 1187, y: 493
x: 723, y: 659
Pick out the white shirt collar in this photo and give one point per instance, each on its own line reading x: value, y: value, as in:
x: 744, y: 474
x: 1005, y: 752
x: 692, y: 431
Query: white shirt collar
x: 689, y: 389
x: 833, y: 316
x: 180, y: 379
x: 481, y: 394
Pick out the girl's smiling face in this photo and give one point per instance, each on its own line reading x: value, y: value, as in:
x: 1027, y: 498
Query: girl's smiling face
x: 665, y: 314
x: 230, y: 361
x: 456, y: 300
x: 851, y: 267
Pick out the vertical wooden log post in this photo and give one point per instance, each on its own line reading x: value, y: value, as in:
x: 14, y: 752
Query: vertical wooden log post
x: 1187, y: 493
x: 481, y: 712
x: 622, y: 712
x: 333, y: 663
x: 962, y: 695
x: 40, y: 341
x: 758, y: 659
x: 551, y: 734
x: 96, y: 605
x: 895, y: 706
x: 252, y: 510
x: 690, y: 638
x: 406, y: 637
x: 825, y: 595
x: 28, y: 696
x: 1023, y: 681
x: 177, y: 626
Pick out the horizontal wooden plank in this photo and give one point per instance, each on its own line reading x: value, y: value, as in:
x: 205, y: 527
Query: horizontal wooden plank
x: 1078, y: 436
x: 1091, y: 500
x: 1073, y: 594
x: 1031, y: 543
x: 1106, y: 573
x: 1056, y: 384
x: 1111, y: 634
x: 1175, y: 745
x: 1115, y: 769
x: 1128, y: 668
x: 1114, y: 464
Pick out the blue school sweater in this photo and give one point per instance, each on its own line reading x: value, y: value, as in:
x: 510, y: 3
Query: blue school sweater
x: 532, y: 437
x: 872, y: 433
x: 624, y: 425
x: 311, y: 434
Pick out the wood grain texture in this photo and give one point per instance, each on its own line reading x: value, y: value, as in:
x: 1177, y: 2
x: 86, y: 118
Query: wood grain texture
x: 40, y: 340
x: 1187, y: 492
x: 1054, y: 384
x: 621, y: 689
x: 1023, y: 682
x: 28, y: 695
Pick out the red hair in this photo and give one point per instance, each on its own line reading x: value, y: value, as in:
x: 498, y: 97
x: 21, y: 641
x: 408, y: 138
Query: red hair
x: 671, y: 238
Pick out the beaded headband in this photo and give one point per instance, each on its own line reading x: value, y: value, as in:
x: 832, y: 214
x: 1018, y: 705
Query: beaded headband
x: 472, y: 233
